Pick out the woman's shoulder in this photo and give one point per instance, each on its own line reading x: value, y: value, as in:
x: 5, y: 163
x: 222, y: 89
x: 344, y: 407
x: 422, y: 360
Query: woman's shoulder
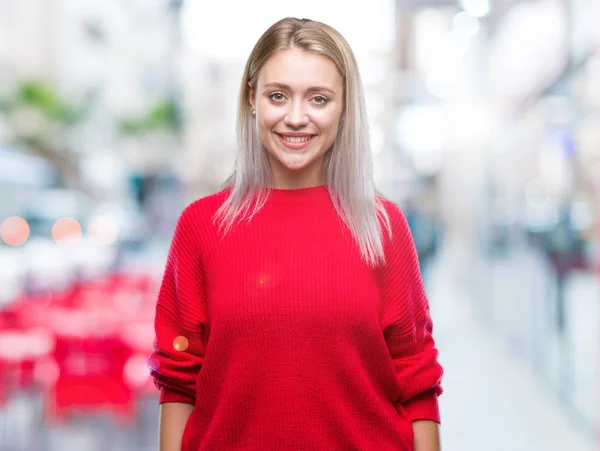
x: 396, y: 220
x: 392, y: 209
x: 203, y: 209
x: 207, y: 203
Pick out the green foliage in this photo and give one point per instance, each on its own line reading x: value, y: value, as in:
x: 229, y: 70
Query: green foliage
x: 163, y: 116
x: 5, y: 106
x: 44, y: 98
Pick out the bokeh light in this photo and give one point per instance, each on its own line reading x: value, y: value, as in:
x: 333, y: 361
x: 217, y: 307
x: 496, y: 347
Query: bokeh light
x: 135, y: 371
x: 14, y: 231
x: 103, y: 230
x: 66, y: 229
x: 47, y: 372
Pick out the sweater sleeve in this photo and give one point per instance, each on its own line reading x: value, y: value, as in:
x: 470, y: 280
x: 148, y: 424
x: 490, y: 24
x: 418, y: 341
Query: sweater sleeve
x: 180, y: 318
x: 407, y: 324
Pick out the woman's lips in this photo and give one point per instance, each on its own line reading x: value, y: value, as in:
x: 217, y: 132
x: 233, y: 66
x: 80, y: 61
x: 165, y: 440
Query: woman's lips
x: 295, y: 145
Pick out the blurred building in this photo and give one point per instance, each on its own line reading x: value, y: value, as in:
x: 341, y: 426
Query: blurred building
x: 210, y: 87
x: 504, y: 115
x: 116, y: 62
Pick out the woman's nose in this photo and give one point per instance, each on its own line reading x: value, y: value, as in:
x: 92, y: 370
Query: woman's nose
x: 296, y: 115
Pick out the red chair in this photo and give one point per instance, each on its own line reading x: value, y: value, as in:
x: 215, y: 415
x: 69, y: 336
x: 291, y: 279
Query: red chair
x: 139, y: 336
x: 90, y: 378
x: 20, y: 351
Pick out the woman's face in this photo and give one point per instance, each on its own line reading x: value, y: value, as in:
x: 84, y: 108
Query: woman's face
x: 298, y: 101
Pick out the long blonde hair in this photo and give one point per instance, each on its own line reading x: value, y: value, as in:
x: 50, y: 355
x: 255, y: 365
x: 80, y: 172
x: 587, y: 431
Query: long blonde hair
x: 348, y: 164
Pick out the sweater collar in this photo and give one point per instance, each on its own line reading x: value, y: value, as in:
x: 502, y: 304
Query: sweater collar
x: 318, y: 193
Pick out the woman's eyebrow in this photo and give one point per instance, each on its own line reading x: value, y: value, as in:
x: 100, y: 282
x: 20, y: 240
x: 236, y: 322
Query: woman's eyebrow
x: 311, y: 89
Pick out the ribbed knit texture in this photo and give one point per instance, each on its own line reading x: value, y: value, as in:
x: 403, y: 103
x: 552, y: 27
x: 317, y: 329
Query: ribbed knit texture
x: 294, y: 342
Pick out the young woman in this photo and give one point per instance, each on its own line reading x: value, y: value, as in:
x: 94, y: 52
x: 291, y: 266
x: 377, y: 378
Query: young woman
x: 292, y: 315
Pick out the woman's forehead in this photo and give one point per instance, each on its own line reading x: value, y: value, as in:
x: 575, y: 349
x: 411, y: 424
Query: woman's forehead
x: 295, y: 68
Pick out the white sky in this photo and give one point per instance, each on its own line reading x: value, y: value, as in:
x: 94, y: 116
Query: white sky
x: 229, y: 28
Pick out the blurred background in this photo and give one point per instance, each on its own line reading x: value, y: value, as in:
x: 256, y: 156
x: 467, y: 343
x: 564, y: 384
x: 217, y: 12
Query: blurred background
x: 485, y: 128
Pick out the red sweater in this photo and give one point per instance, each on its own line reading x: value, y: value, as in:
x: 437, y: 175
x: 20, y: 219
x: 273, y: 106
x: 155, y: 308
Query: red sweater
x: 284, y: 339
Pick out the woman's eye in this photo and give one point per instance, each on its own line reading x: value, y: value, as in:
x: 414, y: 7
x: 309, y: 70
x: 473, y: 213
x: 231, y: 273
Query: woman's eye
x: 320, y: 100
x: 277, y: 96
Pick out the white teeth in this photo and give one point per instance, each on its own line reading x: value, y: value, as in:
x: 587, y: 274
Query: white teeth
x: 294, y: 139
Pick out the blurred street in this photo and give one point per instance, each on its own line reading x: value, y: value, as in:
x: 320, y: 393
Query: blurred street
x: 492, y: 399
x: 484, y: 126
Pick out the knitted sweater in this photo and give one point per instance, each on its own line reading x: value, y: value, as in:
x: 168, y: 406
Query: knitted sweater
x: 284, y: 339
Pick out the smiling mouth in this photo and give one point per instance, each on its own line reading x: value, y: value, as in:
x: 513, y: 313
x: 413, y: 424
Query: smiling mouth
x: 296, y: 139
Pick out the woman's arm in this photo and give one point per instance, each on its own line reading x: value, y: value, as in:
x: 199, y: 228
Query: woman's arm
x: 408, y: 328
x: 427, y: 435
x: 179, y: 325
x: 173, y: 418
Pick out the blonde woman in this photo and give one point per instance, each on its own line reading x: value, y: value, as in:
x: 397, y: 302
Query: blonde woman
x: 292, y: 315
